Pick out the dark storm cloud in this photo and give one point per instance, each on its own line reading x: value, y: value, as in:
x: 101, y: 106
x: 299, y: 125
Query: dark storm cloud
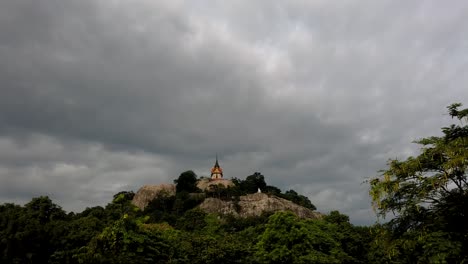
x: 102, y: 96
x: 118, y: 85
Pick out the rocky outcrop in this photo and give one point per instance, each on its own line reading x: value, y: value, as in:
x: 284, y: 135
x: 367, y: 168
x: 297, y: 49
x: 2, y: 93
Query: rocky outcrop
x: 205, y: 183
x: 148, y: 193
x: 254, y: 205
x: 245, y: 206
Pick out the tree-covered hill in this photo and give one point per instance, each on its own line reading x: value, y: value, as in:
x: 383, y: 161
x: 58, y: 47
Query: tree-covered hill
x: 242, y: 198
x: 172, y: 229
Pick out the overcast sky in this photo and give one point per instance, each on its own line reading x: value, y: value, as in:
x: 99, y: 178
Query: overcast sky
x: 100, y: 96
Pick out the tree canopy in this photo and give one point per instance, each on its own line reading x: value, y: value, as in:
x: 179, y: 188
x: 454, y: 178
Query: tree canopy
x: 428, y: 195
x: 187, y: 182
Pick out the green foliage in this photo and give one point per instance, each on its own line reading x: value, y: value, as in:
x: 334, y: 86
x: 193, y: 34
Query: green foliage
x: 97, y: 211
x: 123, y: 197
x: 187, y: 182
x: 429, y: 195
x: 72, y: 235
x: 336, y: 217
x: 288, y: 239
x: 410, y: 247
x: 40, y: 232
x: 192, y: 220
x: 167, y: 208
x: 298, y: 199
x: 252, y: 183
x: 26, y: 232
x: 272, y: 190
x: 44, y: 210
x: 209, y: 244
x: 125, y: 242
x: 120, y: 205
x: 12, y: 243
x: 160, y: 209
x: 235, y: 224
x: 353, y: 240
x: 185, y: 201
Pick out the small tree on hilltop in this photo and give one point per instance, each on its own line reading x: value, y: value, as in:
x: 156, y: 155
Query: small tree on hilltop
x: 252, y: 183
x: 187, y: 182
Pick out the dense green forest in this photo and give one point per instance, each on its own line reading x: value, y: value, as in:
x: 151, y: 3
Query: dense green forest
x: 426, y: 197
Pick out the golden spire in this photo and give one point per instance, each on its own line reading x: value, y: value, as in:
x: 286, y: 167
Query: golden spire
x: 216, y: 171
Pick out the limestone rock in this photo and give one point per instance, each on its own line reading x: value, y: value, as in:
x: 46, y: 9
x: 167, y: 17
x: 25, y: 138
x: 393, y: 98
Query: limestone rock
x: 205, y: 183
x: 246, y: 206
x: 147, y: 193
x: 254, y: 205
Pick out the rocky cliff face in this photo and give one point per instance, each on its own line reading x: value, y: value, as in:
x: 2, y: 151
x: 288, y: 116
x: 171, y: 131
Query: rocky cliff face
x: 247, y: 206
x: 148, y: 193
x: 206, y: 184
x: 254, y: 205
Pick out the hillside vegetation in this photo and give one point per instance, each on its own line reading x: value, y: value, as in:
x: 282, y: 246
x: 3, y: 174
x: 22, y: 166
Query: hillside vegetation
x: 174, y: 228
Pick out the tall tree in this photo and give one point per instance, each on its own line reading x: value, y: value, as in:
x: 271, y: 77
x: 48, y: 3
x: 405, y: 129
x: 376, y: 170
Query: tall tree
x: 429, y: 194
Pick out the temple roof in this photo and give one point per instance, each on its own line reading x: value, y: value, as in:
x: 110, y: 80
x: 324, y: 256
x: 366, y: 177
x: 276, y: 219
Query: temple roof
x: 216, y: 168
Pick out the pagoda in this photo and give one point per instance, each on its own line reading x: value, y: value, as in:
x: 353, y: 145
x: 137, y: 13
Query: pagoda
x: 216, y: 171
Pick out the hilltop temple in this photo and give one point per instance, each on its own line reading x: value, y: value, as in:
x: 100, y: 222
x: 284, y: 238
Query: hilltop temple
x: 216, y: 171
